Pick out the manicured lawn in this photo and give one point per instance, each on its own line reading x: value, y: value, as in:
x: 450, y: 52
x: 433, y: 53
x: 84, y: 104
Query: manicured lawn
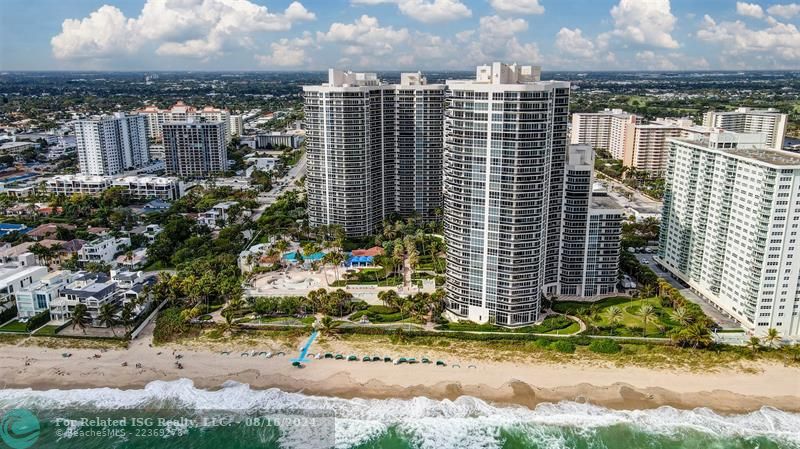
x: 549, y: 325
x: 14, y: 326
x: 378, y: 314
x: 285, y: 320
x: 368, y: 278
x: 630, y: 322
x: 48, y: 329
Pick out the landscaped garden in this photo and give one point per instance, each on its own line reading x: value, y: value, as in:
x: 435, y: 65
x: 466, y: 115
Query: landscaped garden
x: 369, y: 276
x: 629, y: 317
x: 550, y: 325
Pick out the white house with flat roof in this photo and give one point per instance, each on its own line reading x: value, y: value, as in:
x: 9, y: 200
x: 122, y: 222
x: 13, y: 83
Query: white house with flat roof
x: 36, y: 297
x: 102, y: 250
x: 14, y: 276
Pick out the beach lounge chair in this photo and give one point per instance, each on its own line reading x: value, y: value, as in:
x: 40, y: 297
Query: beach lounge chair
x: 426, y: 360
x: 472, y: 366
x: 352, y: 358
x: 225, y: 353
x: 245, y: 354
x: 376, y: 359
x: 456, y: 366
x: 401, y: 360
x: 366, y: 358
x: 280, y: 353
x: 262, y: 354
x: 387, y: 359
x: 297, y: 364
x: 339, y: 357
x: 328, y: 355
x: 412, y: 360
x: 440, y: 363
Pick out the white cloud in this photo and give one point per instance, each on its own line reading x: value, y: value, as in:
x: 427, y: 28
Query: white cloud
x: 785, y: 11
x: 647, y: 22
x: 517, y: 6
x: 426, y: 11
x: 192, y: 28
x: 365, y: 37
x: 102, y: 34
x: 777, y: 43
x: 287, y: 52
x: 749, y: 10
x: 497, y: 40
x: 573, y: 43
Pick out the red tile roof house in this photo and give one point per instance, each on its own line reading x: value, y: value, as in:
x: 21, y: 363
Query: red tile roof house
x: 374, y: 251
x: 48, y: 230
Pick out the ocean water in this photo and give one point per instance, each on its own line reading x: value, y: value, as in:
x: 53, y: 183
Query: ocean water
x: 177, y: 415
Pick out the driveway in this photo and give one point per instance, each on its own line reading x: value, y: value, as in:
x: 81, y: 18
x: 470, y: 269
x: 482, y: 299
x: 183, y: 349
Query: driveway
x: 719, y: 317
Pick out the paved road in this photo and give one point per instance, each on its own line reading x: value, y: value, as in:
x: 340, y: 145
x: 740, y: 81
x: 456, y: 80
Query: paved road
x: 639, y: 205
x: 281, y: 185
x: 716, y: 315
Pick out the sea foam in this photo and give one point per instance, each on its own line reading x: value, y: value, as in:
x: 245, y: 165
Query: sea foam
x: 428, y: 423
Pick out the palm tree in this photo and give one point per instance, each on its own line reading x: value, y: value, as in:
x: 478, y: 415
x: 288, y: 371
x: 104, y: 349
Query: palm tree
x: 794, y: 350
x: 80, y: 317
x: 647, y: 291
x: 773, y: 337
x: 327, y: 325
x: 754, y: 344
x: 126, y: 316
x: 682, y: 316
x: 614, y: 316
x: 646, y: 311
x: 387, y: 297
x: 697, y: 335
x: 106, y: 317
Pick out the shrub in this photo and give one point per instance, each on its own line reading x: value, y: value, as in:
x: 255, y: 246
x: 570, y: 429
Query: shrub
x: 8, y: 314
x: 605, y: 346
x: 38, y: 320
x: 567, y: 347
x: 581, y: 340
x: 541, y: 343
x: 169, y: 326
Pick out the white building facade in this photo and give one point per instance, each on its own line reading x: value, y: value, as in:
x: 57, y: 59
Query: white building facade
x: 195, y: 149
x: 505, y: 148
x: 602, y: 130
x: 373, y: 149
x: 103, y: 250
x: 770, y: 122
x: 730, y: 228
x: 139, y: 187
x: 112, y: 144
x: 36, y: 298
x: 156, y: 118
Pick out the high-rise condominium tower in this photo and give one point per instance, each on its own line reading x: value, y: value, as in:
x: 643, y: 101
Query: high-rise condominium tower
x: 604, y: 130
x: 731, y: 224
x: 111, y: 144
x: 374, y: 149
x: 505, y: 146
x: 591, y: 230
x: 770, y: 122
x: 181, y: 112
x: 195, y: 149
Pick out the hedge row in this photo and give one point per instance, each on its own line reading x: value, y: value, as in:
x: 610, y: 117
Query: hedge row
x: 38, y: 321
x: 8, y: 314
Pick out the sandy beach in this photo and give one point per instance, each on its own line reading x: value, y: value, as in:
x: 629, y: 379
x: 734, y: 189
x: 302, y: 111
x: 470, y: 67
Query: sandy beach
x: 726, y: 390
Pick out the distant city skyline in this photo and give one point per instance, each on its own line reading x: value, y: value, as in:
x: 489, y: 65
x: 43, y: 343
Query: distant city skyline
x: 398, y: 34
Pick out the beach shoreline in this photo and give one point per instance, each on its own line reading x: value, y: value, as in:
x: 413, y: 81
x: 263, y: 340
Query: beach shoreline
x: 726, y: 390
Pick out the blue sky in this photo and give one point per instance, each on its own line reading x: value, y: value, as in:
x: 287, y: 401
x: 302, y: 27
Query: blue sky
x: 397, y: 34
